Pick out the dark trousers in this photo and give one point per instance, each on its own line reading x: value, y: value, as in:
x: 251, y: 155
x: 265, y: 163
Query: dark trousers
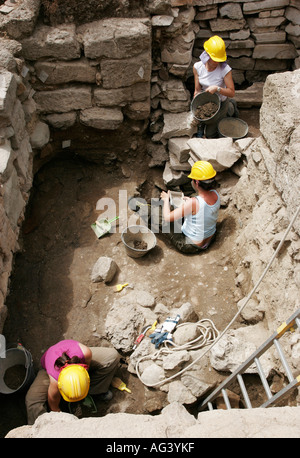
x: 104, y: 363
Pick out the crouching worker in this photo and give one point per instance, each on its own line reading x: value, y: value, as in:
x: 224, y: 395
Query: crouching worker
x: 71, y: 370
x: 200, y: 213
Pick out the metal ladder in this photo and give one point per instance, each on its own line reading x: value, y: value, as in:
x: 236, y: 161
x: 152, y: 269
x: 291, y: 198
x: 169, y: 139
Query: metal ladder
x: 254, y: 358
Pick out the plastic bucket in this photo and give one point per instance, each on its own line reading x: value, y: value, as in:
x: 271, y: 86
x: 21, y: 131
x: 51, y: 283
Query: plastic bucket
x: 16, y: 370
x: 138, y: 241
x: 202, y: 99
x: 234, y: 128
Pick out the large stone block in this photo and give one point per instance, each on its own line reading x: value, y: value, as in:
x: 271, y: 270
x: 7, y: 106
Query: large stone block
x: 241, y: 44
x: 173, y: 177
x: 261, y: 25
x: 63, y: 100
x: 14, y: 203
x: 293, y: 15
x: 59, y: 42
x: 232, y: 11
x: 252, y: 96
x: 121, y: 96
x: 102, y: 118
x: 275, y: 51
x: 280, y: 127
x: 293, y: 31
x: 66, y: 72
x: 264, y: 5
x: 178, y: 125
x: 61, y: 120
x: 6, y: 160
x: 271, y: 65
x: 175, y: 106
x: 223, y: 25
x: 177, y: 56
x: 277, y: 122
x: 272, y: 37
x: 243, y: 63
x: 174, y: 90
x: 8, y: 87
x: 127, y: 72
x: 179, y: 147
x: 23, y: 164
x: 21, y: 20
x: 18, y: 124
x: 8, y: 49
x: 138, y: 110
x: 236, y: 346
x: 40, y: 135
x: 221, y: 153
x: 115, y: 38
x: 104, y: 270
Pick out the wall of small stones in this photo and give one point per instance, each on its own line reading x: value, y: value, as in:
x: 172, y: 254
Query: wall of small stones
x: 110, y: 72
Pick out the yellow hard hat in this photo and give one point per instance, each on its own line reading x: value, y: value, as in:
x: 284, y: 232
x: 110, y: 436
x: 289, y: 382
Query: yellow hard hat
x: 202, y: 170
x: 73, y: 382
x: 215, y: 48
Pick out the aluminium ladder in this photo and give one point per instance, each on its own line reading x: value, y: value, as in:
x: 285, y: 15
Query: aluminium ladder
x: 254, y: 358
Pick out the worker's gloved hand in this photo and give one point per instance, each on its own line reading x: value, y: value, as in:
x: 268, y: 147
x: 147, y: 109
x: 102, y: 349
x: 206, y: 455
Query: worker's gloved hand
x: 158, y: 338
x: 163, y: 333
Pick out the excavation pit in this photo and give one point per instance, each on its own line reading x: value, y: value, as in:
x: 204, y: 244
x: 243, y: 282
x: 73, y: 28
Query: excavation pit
x: 52, y: 296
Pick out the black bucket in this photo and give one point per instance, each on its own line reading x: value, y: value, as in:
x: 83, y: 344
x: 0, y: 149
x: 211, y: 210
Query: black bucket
x: 234, y: 128
x: 139, y: 234
x: 16, y: 369
x: 202, y: 99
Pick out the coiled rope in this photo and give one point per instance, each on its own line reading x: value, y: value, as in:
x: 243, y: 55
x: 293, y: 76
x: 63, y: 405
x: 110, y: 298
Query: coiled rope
x: 209, y: 334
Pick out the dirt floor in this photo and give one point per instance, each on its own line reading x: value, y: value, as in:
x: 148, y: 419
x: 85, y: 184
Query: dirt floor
x: 51, y: 294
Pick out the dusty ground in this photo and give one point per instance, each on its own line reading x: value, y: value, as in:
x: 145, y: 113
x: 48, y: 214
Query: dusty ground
x: 52, y: 296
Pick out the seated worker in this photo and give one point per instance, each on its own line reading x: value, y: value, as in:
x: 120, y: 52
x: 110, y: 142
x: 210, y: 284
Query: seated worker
x: 200, y: 213
x: 212, y: 74
x: 71, y: 370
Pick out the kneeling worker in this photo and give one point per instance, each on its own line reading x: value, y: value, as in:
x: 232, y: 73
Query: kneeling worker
x: 200, y: 213
x: 71, y: 370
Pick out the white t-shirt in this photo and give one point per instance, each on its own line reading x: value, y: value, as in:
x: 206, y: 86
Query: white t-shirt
x: 214, y: 78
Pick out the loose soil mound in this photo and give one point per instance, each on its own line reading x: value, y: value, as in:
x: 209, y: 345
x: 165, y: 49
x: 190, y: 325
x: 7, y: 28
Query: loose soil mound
x: 206, y: 111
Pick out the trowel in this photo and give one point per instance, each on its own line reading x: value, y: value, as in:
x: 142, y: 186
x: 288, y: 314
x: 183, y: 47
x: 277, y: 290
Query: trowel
x: 102, y: 226
x: 119, y: 287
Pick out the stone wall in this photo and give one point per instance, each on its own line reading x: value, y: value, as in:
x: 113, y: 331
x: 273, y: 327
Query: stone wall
x: 111, y: 78
x: 15, y: 175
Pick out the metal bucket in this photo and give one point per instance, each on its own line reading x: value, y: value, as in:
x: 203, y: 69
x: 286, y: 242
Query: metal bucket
x: 15, y: 357
x: 202, y: 99
x: 134, y: 235
x: 234, y: 128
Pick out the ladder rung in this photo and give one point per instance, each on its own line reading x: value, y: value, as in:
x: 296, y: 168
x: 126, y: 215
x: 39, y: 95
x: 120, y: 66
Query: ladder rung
x: 284, y: 361
x: 226, y: 399
x: 263, y: 378
x: 272, y: 340
x: 244, y: 391
x: 295, y: 382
